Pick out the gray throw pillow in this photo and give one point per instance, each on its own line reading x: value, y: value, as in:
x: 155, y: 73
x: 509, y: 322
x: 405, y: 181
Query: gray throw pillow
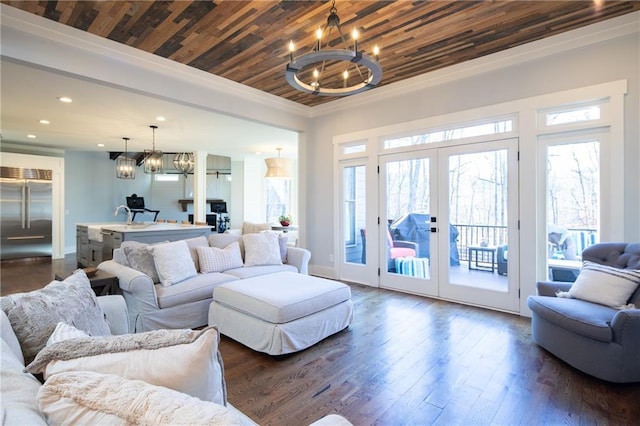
x: 34, y: 315
x: 140, y: 258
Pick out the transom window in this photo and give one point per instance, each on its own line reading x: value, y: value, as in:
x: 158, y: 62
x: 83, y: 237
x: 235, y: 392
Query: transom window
x: 574, y: 115
x: 459, y: 132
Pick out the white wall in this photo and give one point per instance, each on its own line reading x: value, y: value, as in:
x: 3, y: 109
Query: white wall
x: 606, y: 61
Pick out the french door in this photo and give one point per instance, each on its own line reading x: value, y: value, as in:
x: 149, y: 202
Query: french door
x: 408, y: 252
x: 448, y: 223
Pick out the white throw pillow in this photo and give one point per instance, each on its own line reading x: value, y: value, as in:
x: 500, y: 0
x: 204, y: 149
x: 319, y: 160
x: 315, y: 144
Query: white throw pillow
x: 184, y: 360
x: 90, y: 398
x: 605, y: 285
x: 65, y: 331
x: 173, y: 262
x: 261, y: 249
x: 213, y: 259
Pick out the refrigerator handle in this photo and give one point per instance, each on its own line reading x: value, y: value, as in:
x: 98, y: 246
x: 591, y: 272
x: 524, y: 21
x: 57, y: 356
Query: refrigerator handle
x: 28, y: 207
x: 23, y: 207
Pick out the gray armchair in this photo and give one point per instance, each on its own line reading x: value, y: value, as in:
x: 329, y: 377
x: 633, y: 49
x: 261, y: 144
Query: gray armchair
x: 596, y: 339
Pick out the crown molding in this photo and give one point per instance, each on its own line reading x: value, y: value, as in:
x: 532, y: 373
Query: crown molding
x: 84, y: 42
x: 602, y: 31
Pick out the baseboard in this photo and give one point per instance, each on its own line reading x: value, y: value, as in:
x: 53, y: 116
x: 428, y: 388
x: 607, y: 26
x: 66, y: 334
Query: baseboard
x: 323, y: 271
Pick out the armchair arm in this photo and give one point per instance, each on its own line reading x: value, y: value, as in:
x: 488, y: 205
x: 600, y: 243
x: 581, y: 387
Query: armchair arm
x: 299, y: 258
x: 626, y: 329
x: 549, y: 288
x: 406, y: 244
x: 115, y: 311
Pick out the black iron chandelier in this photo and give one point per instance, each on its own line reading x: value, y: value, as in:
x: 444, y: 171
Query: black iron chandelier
x: 359, y: 71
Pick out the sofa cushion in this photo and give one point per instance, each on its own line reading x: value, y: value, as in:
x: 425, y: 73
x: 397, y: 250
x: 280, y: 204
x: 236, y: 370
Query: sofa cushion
x: 214, y: 259
x: 184, y: 360
x: 34, y: 315
x: 91, y: 398
x: 587, y: 319
x: 252, y: 228
x: 9, y: 337
x: 254, y: 271
x: 261, y: 249
x: 18, y: 390
x: 173, y: 262
x: 193, y: 244
x: 194, y: 289
x: 282, y: 297
x: 606, y: 285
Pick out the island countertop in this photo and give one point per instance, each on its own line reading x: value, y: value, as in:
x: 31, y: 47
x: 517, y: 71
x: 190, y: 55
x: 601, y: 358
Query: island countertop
x: 95, y: 242
x: 149, y: 227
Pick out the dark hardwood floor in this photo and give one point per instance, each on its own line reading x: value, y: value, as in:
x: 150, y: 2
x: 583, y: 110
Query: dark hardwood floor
x: 407, y: 360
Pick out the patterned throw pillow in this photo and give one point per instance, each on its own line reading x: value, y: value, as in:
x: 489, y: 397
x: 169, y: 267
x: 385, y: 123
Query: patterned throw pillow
x: 261, y: 249
x: 35, y: 315
x: 214, y: 259
x: 141, y: 259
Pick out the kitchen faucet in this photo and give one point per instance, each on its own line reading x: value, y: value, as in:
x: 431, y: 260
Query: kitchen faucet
x: 129, y: 217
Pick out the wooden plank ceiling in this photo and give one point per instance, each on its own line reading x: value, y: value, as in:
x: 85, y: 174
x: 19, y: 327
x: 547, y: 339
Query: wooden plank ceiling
x: 247, y: 41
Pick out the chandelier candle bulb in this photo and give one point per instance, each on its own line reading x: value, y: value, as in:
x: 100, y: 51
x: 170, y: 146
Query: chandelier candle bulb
x: 354, y: 34
x: 376, y: 51
x: 319, y: 36
x: 291, y: 49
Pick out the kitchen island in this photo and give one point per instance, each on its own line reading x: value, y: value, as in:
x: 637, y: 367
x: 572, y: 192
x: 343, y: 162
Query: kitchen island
x: 95, y: 242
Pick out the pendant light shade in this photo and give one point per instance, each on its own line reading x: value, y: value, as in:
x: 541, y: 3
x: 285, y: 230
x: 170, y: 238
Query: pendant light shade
x: 278, y: 168
x: 153, y: 157
x: 184, y: 163
x: 125, y: 166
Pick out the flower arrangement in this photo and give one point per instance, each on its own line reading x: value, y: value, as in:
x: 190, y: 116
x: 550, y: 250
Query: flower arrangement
x: 285, y: 220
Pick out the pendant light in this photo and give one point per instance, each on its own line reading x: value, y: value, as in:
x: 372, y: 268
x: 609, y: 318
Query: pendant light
x: 153, y: 157
x: 184, y: 163
x: 125, y: 166
x: 278, y: 168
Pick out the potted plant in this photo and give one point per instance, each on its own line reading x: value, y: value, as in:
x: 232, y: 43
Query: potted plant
x: 285, y: 220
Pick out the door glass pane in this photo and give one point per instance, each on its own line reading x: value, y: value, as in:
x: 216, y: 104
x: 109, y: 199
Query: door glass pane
x: 573, y: 205
x: 478, y: 219
x: 354, y: 214
x: 407, y: 236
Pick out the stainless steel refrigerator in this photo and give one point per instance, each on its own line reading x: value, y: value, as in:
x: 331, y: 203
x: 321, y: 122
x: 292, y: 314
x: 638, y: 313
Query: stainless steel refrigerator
x: 25, y: 213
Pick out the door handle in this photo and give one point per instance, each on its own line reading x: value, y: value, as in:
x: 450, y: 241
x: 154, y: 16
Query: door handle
x: 31, y: 237
x: 28, y: 207
x: 23, y: 207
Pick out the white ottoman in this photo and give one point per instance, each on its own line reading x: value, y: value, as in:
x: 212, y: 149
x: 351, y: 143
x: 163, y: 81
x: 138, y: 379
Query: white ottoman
x: 281, y: 313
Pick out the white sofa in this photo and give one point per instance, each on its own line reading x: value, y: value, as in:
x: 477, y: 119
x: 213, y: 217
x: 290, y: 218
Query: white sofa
x: 153, y: 306
x: 23, y: 394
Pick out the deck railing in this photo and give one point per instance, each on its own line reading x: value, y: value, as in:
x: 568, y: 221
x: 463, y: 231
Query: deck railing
x: 494, y: 236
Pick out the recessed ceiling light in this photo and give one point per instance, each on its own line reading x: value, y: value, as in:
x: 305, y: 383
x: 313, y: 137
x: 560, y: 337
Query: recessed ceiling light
x: 45, y: 122
x: 101, y: 145
x: 258, y: 153
x: 160, y: 118
x: 31, y: 136
x: 65, y: 99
